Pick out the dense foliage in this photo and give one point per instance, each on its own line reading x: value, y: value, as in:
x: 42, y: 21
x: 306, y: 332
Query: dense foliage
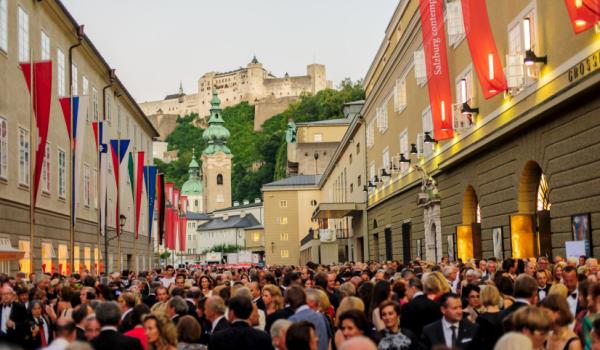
x: 258, y: 157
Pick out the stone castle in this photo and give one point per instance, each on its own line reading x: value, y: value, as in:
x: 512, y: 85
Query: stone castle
x: 254, y: 84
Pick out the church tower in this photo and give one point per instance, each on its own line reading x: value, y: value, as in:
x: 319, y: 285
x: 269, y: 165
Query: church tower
x: 216, y: 161
x: 193, y: 187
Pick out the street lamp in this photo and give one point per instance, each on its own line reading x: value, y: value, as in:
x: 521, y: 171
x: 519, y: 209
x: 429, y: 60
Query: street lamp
x: 122, y: 220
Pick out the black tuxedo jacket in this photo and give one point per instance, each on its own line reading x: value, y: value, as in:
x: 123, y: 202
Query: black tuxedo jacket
x: 36, y: 342
x: 277, y: 315
x: 111, y: 340
x: 505, y: 315
x: 261, y: 304
x: 418, y: 313
x: 16, y: 335
x: 240, y: 336
x: 433, y: 335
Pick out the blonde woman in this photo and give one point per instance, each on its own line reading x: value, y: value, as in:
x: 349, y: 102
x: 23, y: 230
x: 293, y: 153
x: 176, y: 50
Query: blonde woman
x: 161, y: 332
x: 489, y: 322
x: 559, y: 289
x: 561, y: 337
x: 271, y: 296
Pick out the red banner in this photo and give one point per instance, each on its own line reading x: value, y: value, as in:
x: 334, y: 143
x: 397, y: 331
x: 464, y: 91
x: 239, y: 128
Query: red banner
x: 182, y: 223
x: 483, y: 48
x: 174, y: 228
x: 160, y: 205
x: 584, y: 14
x: 138, y: 190
x: 436, y: 63
x: 42, y: 93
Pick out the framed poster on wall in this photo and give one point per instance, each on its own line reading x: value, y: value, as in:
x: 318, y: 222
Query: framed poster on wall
x: 498, y: 242
x: 450, y: 239
x: 580, y: 226
x: 418, y: 246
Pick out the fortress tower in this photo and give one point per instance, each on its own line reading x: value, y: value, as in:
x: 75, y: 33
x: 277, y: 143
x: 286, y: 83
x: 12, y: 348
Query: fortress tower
x: 216, y: 160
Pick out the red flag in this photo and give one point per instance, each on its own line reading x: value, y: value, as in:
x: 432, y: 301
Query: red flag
x: 436, y: 62
x: 42, y: 75
x: 138, y: 190
x: 483, y: 48
x: 584, y: 14
x: 160, y: 205
x: 174, y: 228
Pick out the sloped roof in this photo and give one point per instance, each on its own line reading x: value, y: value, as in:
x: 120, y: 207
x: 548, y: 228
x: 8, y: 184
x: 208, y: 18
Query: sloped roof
x: 298, y: 180
x: 197, y: 216
x: 172, y: 96
x: 233, y: 221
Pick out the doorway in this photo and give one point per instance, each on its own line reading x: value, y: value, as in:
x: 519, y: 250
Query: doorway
x: 406, y: 242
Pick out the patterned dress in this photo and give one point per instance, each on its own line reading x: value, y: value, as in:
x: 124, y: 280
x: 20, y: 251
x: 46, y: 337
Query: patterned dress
x: 397, y: 341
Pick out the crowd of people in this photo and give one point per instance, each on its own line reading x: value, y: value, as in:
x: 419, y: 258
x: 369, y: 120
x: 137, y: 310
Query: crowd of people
x: 477, y: 304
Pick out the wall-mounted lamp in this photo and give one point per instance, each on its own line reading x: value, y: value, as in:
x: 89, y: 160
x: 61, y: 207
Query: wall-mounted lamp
x: 465, y: 108
x: 384, y: 173
x: 413, y: 148
x: 530, y: 56
x: 428, y: 138
x: 404, y: 159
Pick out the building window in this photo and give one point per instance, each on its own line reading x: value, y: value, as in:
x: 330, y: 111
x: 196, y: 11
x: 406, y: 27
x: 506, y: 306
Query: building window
x: 318, y: 137
x: 219, y: 179
x: 358, y: 148
x: 386, y: 158
x: 60, y: 71
x: 522, y: 36
x: 285, y: 253
x: 95, y: 102
x: 24, y: 157
x: 220, y: 198
x: 283, y: 220
x: 46, y: 170
x: 370, y: 135
x: 25, y: 263
x: 313, y: 203
x: 350, y: 158
x: 358, y: 180
x: 45, y: 43
x: 108, y: 108
x: 456, y: 28
x: 3, y: 26
x: 351, y: 187
x: 427, y: 127
x: 3, y: 148
x: 62, y: 172
x: 63, y: 257
x: 404, y: 150
x: 47, y: 255
x: 284, y: 237
x: 94, y: 191
x: 283, y: 204
x: 382, y: 118
x: 23, y: 21
x: 86, y: 185
x: 76, y: 268
x: 464, y: 94
x: 85, y: 86
x: 420, y: 70
x: 400, y: 95
x: 372, y: 172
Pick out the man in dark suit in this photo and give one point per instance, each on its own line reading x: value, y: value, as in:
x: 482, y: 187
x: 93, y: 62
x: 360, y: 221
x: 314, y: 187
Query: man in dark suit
x: 256, y: 296
x: 526, y: 293
x: 13, y: 318
x: 421, y: 310
x: 176, y: 308
x: 126, y: 303
x: 78, y: 315
x: 240, y: 335
x: 452, y: 330
x: 214, y: 310
x: 543, y: 286
x: 109, y: 315
x: 150, y: 299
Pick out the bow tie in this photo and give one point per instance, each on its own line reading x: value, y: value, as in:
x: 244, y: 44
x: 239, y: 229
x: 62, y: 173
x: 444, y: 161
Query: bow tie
x: 574, y: 295
x: 6, y: 305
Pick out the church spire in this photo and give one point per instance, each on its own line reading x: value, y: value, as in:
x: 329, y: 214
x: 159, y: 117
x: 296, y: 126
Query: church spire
x: 216, y: 135
x: 180, y: 87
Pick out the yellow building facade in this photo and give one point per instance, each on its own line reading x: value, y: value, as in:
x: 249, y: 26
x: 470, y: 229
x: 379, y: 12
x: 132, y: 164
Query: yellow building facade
x: 516, y: 179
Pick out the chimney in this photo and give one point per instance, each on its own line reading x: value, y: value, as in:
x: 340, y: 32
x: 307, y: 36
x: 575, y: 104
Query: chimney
x: 242, y: 214
x: 246, y: 202
x: 236, y: 203
x: 256, y: 200
x: 225, y: 217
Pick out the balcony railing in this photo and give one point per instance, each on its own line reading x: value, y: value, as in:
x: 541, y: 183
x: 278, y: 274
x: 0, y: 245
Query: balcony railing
x: 311, y: 235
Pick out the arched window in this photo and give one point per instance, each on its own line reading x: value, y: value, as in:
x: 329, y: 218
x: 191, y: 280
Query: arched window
x: 219, y: 179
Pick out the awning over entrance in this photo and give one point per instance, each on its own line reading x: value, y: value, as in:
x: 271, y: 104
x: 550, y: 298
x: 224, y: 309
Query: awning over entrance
x: 337, y: 210
x: 7, y: 252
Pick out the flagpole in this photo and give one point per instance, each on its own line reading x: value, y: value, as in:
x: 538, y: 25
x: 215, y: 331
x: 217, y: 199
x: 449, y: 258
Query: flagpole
x: 98, y: 189
x: 133, y: 185
x: 72, y: 154
x: 111, y: 78
x: 32, y: 151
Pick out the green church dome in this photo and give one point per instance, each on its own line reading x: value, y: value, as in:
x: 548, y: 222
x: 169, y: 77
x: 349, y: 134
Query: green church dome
x: 193, y: 186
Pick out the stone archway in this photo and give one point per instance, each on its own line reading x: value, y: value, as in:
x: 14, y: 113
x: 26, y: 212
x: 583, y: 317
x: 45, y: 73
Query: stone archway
x: 433, y: 233
x: 530, y: 227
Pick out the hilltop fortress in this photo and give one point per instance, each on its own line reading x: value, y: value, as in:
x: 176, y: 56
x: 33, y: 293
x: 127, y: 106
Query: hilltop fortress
x: 254, y: 84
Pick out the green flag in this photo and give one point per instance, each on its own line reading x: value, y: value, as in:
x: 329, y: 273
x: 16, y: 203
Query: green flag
x: 130, y: 168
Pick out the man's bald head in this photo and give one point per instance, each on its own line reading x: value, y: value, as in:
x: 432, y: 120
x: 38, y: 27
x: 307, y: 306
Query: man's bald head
x: 358, y: 343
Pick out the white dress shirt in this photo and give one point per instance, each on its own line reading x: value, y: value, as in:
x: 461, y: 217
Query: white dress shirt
x: 448, y: 331
x: 5, y: 317
x: 572, y: 299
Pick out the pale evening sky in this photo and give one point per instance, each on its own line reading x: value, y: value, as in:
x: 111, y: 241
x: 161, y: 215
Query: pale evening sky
x: 154, y: 44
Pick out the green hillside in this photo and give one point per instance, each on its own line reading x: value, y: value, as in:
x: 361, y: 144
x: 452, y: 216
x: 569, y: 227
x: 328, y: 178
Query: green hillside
x: 265, y: 149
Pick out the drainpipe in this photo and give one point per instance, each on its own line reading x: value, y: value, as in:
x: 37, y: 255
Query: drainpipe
x: 111, y: 79
x: 365, y: 223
